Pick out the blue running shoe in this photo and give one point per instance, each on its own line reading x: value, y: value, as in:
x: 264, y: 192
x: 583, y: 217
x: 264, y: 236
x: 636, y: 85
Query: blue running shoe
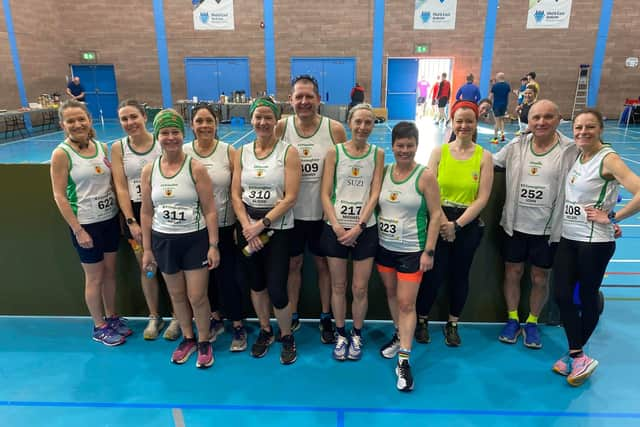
x: 510, y: 332
x: 531, y: 336
x: 355, y: 347
x: 341, y: 349
x: 119, y: 324
x: 107, y: 336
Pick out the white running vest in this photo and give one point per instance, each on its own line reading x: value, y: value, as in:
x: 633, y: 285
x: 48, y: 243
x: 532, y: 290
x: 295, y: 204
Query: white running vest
x: 402, y: 219
x: 586, y: 187
x: 539, y: 182
x: 176, y: 207
x: 262, y: 181
x: 312, y: 149
x: 219, y: 170
x: 133, y: 162
x: 89, y: 189
x: 352, y: 185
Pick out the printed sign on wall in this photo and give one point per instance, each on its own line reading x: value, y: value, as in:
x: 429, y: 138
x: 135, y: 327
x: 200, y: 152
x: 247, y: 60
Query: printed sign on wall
x: 548, y: 14
x: 435, y: 15
x: 213, y: 14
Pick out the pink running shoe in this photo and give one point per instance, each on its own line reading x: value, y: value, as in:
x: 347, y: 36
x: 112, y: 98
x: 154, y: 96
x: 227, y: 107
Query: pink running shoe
x: 581, y: 369
x: 563, y: 365
x: 205, y: 355
x: 185, y: 349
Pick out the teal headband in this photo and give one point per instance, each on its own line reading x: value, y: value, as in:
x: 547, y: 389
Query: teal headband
x: 167, y: 119
x: 264, y: 102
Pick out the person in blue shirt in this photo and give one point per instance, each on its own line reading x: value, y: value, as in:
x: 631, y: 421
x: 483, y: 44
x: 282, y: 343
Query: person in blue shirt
x: 499, y: 95
x: 469, y: 91
x: 75, y: 90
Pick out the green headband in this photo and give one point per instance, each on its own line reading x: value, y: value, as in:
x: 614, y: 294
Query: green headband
x: 167, y: 119
x: 264, y: 102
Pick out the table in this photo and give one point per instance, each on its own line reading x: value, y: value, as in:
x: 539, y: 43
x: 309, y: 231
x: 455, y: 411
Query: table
x: 22, y: 122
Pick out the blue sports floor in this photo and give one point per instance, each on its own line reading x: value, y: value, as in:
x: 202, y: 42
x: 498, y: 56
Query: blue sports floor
x: 52, y: 374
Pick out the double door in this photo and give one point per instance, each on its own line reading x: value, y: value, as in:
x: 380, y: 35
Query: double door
x: 335, y: 76
x: 101, y: 92
x: 208, y: 78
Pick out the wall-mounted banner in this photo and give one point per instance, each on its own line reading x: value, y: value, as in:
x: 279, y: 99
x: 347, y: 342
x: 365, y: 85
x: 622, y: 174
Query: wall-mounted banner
x: 213, y: 14
x: 548, y: 14
x: 435, y: 15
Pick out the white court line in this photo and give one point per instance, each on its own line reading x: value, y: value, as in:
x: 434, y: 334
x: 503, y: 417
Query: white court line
x: 630, y: 160
x: 109, y: 143
x: 625, y: 261
x: 629, y: 225
x: 178, y: 418
x: 242, y: 137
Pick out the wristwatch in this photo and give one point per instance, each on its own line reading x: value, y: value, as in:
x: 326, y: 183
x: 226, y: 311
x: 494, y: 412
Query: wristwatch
x: 430, y: 252
x: 456, y: 227
x: 612, y: 217
x: 266, y: 222
x: 131, y: 221
x: 363, y: 225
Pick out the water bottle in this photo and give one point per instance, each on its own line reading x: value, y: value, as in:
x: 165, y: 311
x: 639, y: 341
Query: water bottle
x: 137, y: 247
x: 264, y: 238
x: 150, y: 270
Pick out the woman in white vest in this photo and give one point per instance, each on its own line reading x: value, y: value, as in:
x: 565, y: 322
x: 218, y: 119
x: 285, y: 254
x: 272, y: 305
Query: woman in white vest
x: 180, y: 233
x: 408, y: 225
x: 217, y: 156
x: 81, y: 180
x: 129, y: 155
x: 350, y: 188
x: 266, y: 179
x: 587, y: 243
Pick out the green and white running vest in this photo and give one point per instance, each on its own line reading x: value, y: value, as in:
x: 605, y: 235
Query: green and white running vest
x: 133, y: 162
x: 219, y: 170
x: 402, y: 219
x: 312, y: 149
x: 263, y: 180
x: 176, y: 206
x: 585, y: 187
x: 352, y: 185
x: 89, y: 189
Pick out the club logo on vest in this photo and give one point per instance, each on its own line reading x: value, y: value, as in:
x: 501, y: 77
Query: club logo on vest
x: 393, y: 196
x: 355, y: 171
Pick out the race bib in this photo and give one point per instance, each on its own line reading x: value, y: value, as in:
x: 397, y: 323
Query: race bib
x: 389, y: 229
x: 574, y: 212
x: 534, y: 195
x: 310, y: 170
x: 135, y: 189
x: 177, y: 215
x: 104, y: 207
x: 259, y: 197
x: 348, y: 213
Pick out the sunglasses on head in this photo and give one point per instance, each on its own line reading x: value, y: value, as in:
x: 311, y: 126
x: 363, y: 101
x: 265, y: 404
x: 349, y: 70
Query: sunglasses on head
x: 304, y: 77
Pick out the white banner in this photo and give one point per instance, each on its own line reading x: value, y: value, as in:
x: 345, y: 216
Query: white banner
x: 435, y: 15
x: 548, y: 14
x: 213, y: 14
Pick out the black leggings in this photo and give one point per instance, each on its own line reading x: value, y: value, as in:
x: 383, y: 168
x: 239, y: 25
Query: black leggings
x: 269, y: 267
x: 451, y: 264
x: 584, y: 263
x: 224, y: 287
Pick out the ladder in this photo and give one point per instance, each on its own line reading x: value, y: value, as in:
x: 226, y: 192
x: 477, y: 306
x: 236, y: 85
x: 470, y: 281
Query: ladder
x: 582, y: 90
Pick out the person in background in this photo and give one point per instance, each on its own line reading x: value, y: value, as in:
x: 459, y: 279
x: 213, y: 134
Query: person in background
x: 264, y: 189
x: 499, y: 95
x: 588, y: 233
x: 128, y: 157
x: 180, y: 233
x: 423, y: 91
x: 520, y: 91
x: 83, y: 192
x: 408, y: 223
x: 75, y: 90
x: 350, y: 188
x: 530, y: 96
x: 434, y: 97
x: 469, y: 91
x: 224, y: 290
x: 531, y: 80
x: 312, y: 135
x: 465, y: 175
x: 357, y: 95
x: 444, y: 93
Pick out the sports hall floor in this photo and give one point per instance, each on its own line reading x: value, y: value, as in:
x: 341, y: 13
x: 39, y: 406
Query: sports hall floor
x: 52, y: 374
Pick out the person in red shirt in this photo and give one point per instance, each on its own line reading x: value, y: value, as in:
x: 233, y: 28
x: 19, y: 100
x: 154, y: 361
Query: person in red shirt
x: 434, y: 96
x: 443, y: 95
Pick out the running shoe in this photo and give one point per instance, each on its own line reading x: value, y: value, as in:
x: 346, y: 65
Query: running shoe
x: 502, y: 138
x: 327, y: 331
x: 581, y: 369
x: 451, y: 337
x: 107, y: 336
x: 295, y: 324
x: 119, y: 324
x: 153, y: 328
x: 173, y: 331
x: 494, y: 140
x: 341, y: 349
x: 531, y: 336
x: 216, y: 327
x: 510, y: 332
x: 261, y: 346
x: 288, y: 354
x: 239, y: 340
x: 185, y: 349
x: 205, y: 355
x: 422, y: 331
x: 405, y: 378
x: 563, y: 365
x: 355, y: 347
x: 390, y: 349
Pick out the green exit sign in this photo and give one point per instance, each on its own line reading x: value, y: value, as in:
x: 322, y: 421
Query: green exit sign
x: 422, y: 48
x: 89, y: 56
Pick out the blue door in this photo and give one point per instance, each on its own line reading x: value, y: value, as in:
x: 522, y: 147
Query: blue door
x: 208, y: 78
x: 402, y: 82
x: 335, y: 76
x: 101, y: 92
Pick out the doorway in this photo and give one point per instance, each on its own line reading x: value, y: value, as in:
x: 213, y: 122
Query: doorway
x: 100, y: 88
x: 429, y: 72
x: 335, y: 76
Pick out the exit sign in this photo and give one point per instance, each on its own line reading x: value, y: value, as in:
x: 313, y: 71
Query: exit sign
x: 89, y: 56
x: 422, y: 48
